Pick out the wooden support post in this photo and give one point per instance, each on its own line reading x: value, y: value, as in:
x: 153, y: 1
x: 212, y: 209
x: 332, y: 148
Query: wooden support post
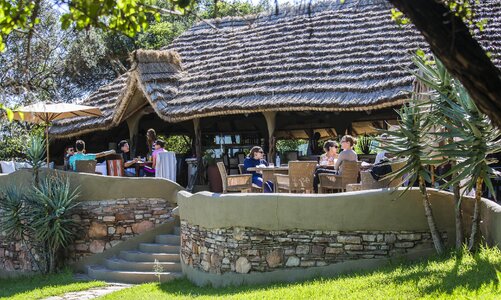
x: 270, y: 117
x: 198, y: 148
x: 133, y: 124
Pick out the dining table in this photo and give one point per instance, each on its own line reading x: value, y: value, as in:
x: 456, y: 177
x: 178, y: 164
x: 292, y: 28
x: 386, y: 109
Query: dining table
x: 140, y: 165
x: 269, y: 172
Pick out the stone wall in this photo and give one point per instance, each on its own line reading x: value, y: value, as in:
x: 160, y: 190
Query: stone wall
x: 101, y: 225
x: 244, y: 250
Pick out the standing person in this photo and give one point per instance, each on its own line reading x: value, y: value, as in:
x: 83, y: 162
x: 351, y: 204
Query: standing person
x: 327, y: 159
x: 151, y: 137
x: 68, y: 152
x: 81, y: 155
x: 128, y: 162
x: 347, y: 143
x: 255, y: 159
x: 159, y: 147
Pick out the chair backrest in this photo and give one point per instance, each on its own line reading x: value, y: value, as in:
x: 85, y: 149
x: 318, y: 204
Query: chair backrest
x: 369, y: 183
x: 301, y: 175
x: 222, y: 171
x: 291, y: 155
x: 241, y: 168
x: 240, y: 156
x: 115, y: 167
x: 349, y: 169
x: 166, y: 165
x: 86, y: 166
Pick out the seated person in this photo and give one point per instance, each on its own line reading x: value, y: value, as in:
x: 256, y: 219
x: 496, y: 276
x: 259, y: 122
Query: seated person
x: 80, y: 155
x: 128, y: 162
x: 255, y: 159
x: 347, y: 143
x: 68, y: 152
x: 159, y: 147
x: 382, y: 154
x: 327, y: 159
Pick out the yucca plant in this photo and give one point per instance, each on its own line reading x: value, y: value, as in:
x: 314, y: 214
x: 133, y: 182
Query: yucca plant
x: 364, y: 143
x: 411, y: 141
x: 52, y: 202
x: 441, y: 86
x: 35, y: 152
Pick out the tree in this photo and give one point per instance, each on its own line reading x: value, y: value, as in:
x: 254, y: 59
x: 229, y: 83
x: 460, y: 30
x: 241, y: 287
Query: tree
x: 452, y: 43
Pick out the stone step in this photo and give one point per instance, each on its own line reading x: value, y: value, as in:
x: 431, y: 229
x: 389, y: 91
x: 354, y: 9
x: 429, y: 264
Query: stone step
x: 102, y: 273
x: 170, y: 239
x: 177, y: 231
x: 139, y: 256
x: 124, y: 265
x: 158, y: 248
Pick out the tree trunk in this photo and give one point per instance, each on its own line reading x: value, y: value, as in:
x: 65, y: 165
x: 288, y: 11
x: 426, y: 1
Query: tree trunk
x: 451, y: 41
x: 459, y: 218
x: 435, y: 234
x: 475, y: 226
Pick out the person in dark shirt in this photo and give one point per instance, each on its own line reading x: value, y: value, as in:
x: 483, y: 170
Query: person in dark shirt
x: 128, y: 162
x: 255, y: 159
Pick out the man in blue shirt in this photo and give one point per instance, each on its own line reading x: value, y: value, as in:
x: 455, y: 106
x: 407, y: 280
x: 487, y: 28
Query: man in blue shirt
x: 80, y: 155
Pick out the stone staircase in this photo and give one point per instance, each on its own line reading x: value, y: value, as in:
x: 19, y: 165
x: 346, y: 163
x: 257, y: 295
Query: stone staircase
x: 137, y: 266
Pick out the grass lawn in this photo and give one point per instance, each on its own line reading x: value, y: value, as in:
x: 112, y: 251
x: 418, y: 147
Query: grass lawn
x: 452, y: 277
x: 42, y: 286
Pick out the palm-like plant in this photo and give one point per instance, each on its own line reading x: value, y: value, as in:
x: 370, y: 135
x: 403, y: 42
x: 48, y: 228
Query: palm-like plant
x: 411, y: 141
x: 52, y: 202
x: 35, y: 153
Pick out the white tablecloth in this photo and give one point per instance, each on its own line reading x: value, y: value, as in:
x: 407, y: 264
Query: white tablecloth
x: 101, y: 168
x: 166, y: 165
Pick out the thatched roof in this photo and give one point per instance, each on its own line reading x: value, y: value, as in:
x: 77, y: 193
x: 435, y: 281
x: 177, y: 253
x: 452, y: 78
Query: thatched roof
x: 351, y: 57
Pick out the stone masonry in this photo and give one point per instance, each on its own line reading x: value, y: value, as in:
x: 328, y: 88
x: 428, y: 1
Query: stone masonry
x: 243, y: 250
x: 101, y: 225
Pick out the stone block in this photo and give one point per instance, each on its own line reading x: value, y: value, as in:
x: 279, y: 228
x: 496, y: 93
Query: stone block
x: 275, y: 258
x: 354, y: 247
x: 120, y: 230
x: 308, y: 263
x: 98, y: 230
x: 97, y: 246
x: 404, y: 245
x: 321, y: 239
x: 336, y: 251
x: 142, y: 227
x: 380, y: 238
x: 409, y: 237
x: 390, y: 237
x: 302, y: 249
x: 321, y: 263
x: 369, y: 237
x: 317, y: 250
x: 109, y: 219
x: 122, y: 216
x: 242, y: 265
x: 115, y: 242
x: 82, y: 247
x: 293, y: 261
x: 349, y: 239
x: 138, y: 217
x: 111, y: 230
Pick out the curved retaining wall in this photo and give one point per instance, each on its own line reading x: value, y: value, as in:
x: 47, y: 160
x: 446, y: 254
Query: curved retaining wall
x: 259, y: 238
x: 111, y: 210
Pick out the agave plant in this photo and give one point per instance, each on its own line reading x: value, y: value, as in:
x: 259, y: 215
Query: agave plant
x: 52, y: 202
x: 411, y: 141
x: 364, y: 143
x: 35, y: 153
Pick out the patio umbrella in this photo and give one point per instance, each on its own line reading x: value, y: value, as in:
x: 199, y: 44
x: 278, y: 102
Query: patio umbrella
x: 45, y: 113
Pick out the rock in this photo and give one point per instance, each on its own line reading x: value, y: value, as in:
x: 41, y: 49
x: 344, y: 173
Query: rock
x: 293, y: 261
x: 120, y: 230
x: 111, y: 230
x: 98, y: 230
x: 242, y: 265
x: 139, y: 217
x: 115, y: 242
x: 404, y: 245
x: 97, y: 246
x: 349, y: 239
x: 76, y: 218
x: 409, y: 237
x: 2, y: 252
x: 307, y: 263
x: 142, y: 227
x: 369, y: 237
x: 82, y: 247
x: 8, y: 265
x: 124, y: 216
x: 390, y: 238
x: 317, y: 250
x: 215, y: 261
x: 238, y: 233
x: 274, y: 258
x: 354, y: 247
x: 331, y: 250
x: 109, y: 218
x: 128, y: 230
x: 302, y: 249
x: 252, y: 252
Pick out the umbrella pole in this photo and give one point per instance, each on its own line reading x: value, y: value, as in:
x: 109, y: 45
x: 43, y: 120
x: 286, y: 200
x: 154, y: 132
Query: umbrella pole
x: 47, y: 142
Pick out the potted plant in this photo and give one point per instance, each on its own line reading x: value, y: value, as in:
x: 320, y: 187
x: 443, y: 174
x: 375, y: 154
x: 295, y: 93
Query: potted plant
x: 213, y: 176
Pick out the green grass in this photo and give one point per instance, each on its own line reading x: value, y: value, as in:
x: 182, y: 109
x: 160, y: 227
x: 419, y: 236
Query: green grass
x: 453, y: 277
x: 42, y: 286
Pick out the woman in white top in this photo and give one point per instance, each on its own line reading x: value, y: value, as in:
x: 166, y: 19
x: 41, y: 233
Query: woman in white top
x: 330, y: 155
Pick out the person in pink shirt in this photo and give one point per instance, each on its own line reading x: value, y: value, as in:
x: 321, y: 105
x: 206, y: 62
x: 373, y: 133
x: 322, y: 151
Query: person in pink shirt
x: 159, y: 147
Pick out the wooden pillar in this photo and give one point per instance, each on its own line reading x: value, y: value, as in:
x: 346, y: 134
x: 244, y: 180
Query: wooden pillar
x: 270, y: 117
x: 198, y: 148
x: 133, y: 124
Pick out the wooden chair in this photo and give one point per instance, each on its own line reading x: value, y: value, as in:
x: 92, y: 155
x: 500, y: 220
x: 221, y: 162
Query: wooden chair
x: 348, y: 175
x: 299, y: 179
x: 291, y: 156
x: 241, y: 168
x: 369, y: 183
x: 115, y: 165
x: 86, y: 166
x: 234, y: 183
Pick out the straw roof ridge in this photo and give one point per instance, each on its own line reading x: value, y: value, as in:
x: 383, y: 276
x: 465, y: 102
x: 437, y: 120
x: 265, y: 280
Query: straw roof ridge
x: 349, y: 57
